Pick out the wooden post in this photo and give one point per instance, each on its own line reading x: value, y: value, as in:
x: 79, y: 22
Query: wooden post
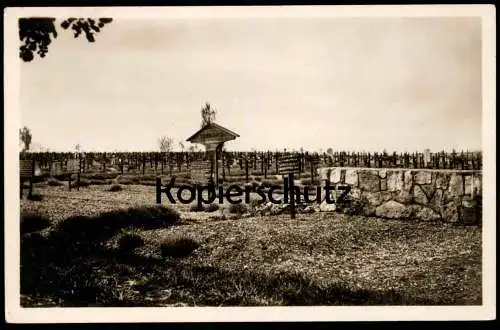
x: 246, y: 170
x: 216, y: 157
x: 158, y: 190
x: 30, y: 192
x: 312, y: 171
x: 292, y: 196
x: 69, y: 181
x: 77, y: 180
x: 223, y: 167
x: 265, y: 166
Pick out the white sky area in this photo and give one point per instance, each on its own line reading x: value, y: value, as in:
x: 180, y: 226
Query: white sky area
x: 346, y: 83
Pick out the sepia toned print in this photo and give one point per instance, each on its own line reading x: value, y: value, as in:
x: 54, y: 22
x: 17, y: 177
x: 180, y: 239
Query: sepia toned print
x: 260, y: 161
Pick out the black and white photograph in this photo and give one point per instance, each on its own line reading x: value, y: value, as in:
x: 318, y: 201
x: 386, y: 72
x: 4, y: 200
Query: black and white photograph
x: 288, y: 161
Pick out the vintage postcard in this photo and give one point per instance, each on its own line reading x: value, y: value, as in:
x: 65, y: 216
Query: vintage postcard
x: 311, y: 163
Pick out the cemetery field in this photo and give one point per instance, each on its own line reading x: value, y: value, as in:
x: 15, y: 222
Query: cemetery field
x: 96, y: 247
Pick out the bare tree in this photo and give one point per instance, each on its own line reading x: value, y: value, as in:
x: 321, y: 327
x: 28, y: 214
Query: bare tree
x: 25, y: 137
x: 165, y: 144
x: 207, y: 114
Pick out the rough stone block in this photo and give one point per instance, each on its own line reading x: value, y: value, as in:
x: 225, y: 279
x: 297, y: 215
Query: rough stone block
x: 419, y: 195
x: 451, y: 213
x: 391, y: 210
x: 427, y: 214
x: 369, y: 181
x: 428, y: 190
x: 383, y: 184
x: 373, y: 198
x: 408, y: 180
x: 335, y: 175
x: 351, y: 177
x: 442, y: 180
x: 403, y: 196
x: 437, y: 201
x: 395, y: 181
x: 423, y: 177
x: 386, y: 196
x: 368, y: 210
x: 323, y: 173
x: 456, y: 186
x: 355, y: 193
x: 326, y: 207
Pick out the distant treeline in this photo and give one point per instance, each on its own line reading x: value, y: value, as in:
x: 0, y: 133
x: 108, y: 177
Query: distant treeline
x: 269, y: 160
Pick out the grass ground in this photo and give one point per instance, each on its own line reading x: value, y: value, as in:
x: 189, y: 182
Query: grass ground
x: 315, y: 259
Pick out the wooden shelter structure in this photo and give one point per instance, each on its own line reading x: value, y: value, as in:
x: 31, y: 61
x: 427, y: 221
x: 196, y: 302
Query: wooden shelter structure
x: 213, y: 137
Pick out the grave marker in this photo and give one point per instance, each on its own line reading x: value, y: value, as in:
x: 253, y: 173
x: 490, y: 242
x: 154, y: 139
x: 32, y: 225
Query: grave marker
x: 289, y: 164
x: 27, y: 171
x: 201, y: 171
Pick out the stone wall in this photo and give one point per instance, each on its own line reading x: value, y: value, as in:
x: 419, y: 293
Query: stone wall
x: 430, y: 195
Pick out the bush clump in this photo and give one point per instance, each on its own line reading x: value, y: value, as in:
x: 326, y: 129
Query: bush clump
x: 109, y: 223
x: 177, y: 246
x: 32, y: 222
x: 115, y: 187
x: 212, y: 207
x: 129, y: 241
x: 237, y: 208
x: 197, y: 208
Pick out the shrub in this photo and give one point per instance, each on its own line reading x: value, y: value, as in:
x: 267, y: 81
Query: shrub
x: 107, y: 224
x: 35, y: 197
x: 151, y: 217
x: 53, y: 182
x: 115, y: 187
x: 129, y: 241
x: 238, y: 208
x: 177, y: 246
x: 212, y: 207
x: 197, y: 208
x: 33, y: 221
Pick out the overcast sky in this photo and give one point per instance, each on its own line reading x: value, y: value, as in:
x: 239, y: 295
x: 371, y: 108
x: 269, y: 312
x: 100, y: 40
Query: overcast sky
x: 346, y: 83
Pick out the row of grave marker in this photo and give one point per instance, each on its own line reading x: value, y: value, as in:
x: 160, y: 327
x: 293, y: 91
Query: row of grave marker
x: 202, y: 170
x: 27, y: 169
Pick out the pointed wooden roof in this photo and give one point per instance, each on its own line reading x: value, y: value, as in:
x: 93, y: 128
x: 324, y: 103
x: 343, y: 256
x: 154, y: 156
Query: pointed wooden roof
x: 212, y: 132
